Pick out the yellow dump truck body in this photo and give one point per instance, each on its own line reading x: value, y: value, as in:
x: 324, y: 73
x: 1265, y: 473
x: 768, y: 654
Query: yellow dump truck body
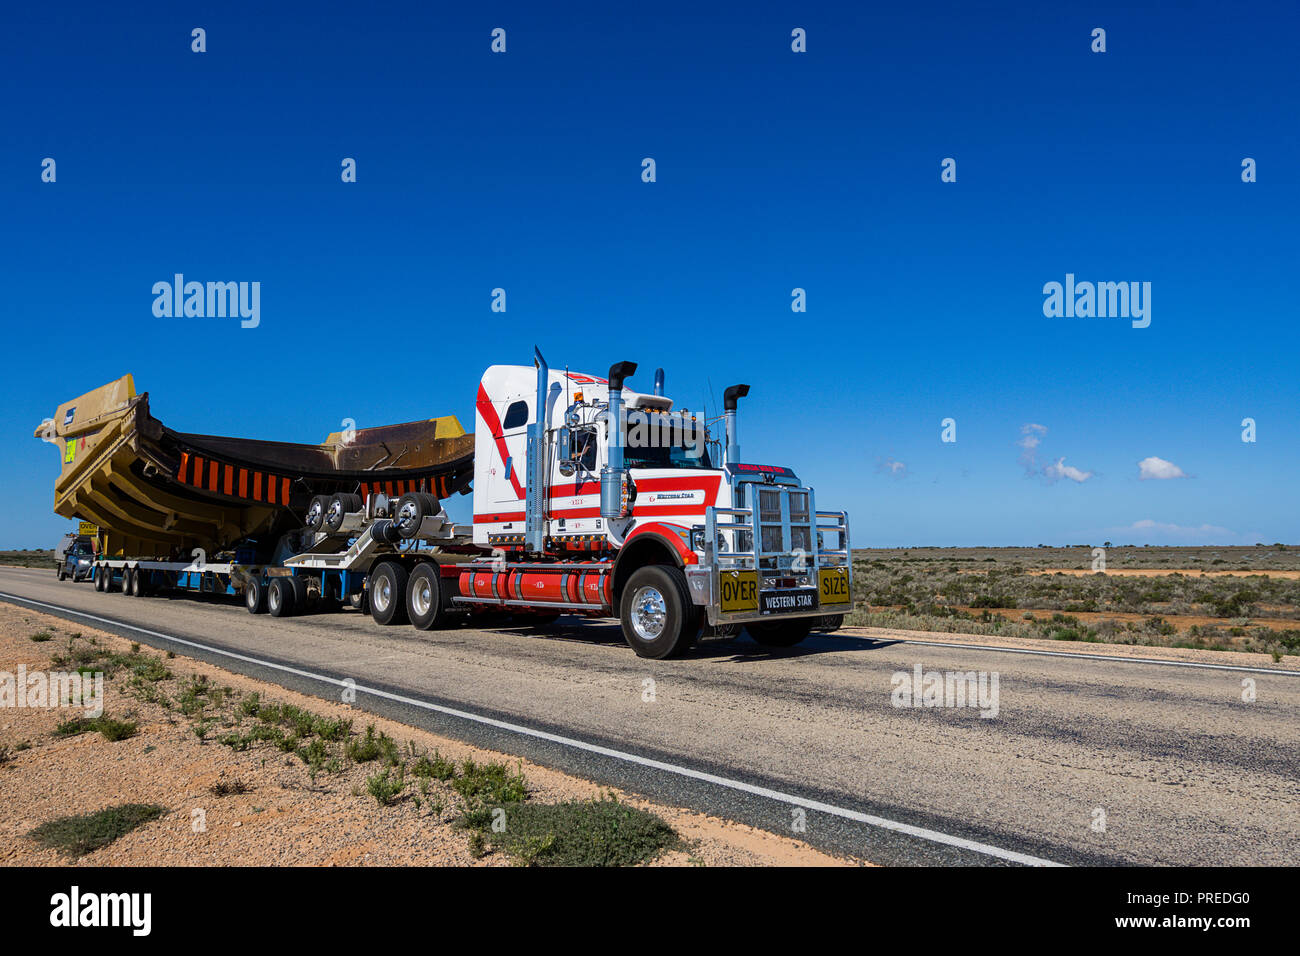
x: 155, y: 492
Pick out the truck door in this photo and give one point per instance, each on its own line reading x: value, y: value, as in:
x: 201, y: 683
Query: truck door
x: 510, y: 479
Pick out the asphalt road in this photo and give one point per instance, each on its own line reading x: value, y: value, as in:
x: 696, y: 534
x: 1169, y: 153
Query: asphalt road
x: 1178, y: 768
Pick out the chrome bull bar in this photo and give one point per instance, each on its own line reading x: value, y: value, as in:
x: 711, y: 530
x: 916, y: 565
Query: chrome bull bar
x: 762, y: 561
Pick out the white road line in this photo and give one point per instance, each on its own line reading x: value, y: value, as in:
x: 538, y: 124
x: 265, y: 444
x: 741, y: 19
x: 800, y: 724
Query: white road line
x: 1078, y: 655
x: 933, y: 836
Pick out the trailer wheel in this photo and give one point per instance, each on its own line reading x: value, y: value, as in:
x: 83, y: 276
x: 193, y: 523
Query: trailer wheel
x: 128, y: 579
x: 255, y: 596
x: 300, y: 598
x: 99, y: 579
x: 410, y: 512
x: 337, y: 509
x: 427, y: 600
x: 658, y: 617
x: 315, y: 516
x: 138, y: 587
x: 780, y: 633
x: 388, y: 593
x: 280, y: 597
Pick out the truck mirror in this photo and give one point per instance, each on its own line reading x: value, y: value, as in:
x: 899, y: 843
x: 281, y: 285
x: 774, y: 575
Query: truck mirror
x: 564, y: 451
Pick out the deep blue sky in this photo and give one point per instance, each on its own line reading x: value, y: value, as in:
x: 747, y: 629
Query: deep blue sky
x: 775, y: 170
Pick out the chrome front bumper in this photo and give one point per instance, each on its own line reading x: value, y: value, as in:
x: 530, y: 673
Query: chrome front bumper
x: 747, y: 551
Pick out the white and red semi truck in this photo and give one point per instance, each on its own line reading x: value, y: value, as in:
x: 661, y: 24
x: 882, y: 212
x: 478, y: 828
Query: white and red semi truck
x: 589, y: 498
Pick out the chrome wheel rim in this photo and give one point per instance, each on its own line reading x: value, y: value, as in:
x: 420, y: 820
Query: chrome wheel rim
x: 422, y: 597
x: 649, y: 613
x: 273, y: 598
x: 406, y: 516
x: 383, y: 593
x: 314, y: 515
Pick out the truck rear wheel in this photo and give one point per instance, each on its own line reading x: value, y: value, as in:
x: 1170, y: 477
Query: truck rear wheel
x: 60, y: 573
x: 280, y: 597
x: 427, y: 600
x: 388, y: 593
x: 658, y: 617
x: 780, y: 633
x: 255, y: 596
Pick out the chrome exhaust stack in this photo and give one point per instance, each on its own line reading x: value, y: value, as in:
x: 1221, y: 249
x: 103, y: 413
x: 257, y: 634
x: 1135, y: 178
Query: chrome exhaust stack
x: 613, y: 478
x: 535, y: 475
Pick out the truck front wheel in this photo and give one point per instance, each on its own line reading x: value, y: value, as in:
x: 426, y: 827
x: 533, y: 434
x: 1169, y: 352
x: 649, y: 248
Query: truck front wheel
x: 658, y: 617
x: 780, y: 633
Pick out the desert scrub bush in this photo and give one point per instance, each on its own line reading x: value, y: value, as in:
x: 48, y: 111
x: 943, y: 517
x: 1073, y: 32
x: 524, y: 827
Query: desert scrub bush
x: 236, y: 741
x: 370, y: 746
x: 226, y: 788
x: 78, y: 835
x: 386, y: 786
x: 333, y: 729
x: 436, y: 767
x: 585, y: 833
x: 489, y: 784
x: 318, y: 756
x: 110, y: 729
x: 40, y: 637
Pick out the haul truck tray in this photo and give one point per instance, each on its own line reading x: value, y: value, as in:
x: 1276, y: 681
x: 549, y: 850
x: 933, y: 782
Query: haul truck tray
x: 156, y: 492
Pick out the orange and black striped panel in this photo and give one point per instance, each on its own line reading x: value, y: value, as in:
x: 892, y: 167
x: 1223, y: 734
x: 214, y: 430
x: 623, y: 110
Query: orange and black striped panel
x: 235, y: 481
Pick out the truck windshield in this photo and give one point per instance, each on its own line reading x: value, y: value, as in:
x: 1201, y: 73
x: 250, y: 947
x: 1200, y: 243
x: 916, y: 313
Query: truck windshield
x: 653, y: 440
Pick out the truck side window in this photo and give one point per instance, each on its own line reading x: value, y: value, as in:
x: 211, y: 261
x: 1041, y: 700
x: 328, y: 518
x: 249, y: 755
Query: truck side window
x: 516, y: 415
x: 584, y: 450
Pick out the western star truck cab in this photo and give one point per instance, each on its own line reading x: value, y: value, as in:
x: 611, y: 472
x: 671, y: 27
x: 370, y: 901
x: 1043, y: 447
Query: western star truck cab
x: 678, y: 533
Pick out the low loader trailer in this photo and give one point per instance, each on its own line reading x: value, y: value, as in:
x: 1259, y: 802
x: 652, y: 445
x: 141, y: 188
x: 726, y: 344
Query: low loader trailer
x: 589, y: 498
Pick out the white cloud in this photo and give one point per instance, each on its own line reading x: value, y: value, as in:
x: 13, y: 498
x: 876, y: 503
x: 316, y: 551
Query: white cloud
x: 889, y: 466
x: 1158, y: 468
x: 1062, y: 470
x: 1031, y: 437
x: 1147, y: 531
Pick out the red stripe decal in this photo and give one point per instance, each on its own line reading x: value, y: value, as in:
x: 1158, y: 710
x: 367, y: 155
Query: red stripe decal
x: 489, y: 415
